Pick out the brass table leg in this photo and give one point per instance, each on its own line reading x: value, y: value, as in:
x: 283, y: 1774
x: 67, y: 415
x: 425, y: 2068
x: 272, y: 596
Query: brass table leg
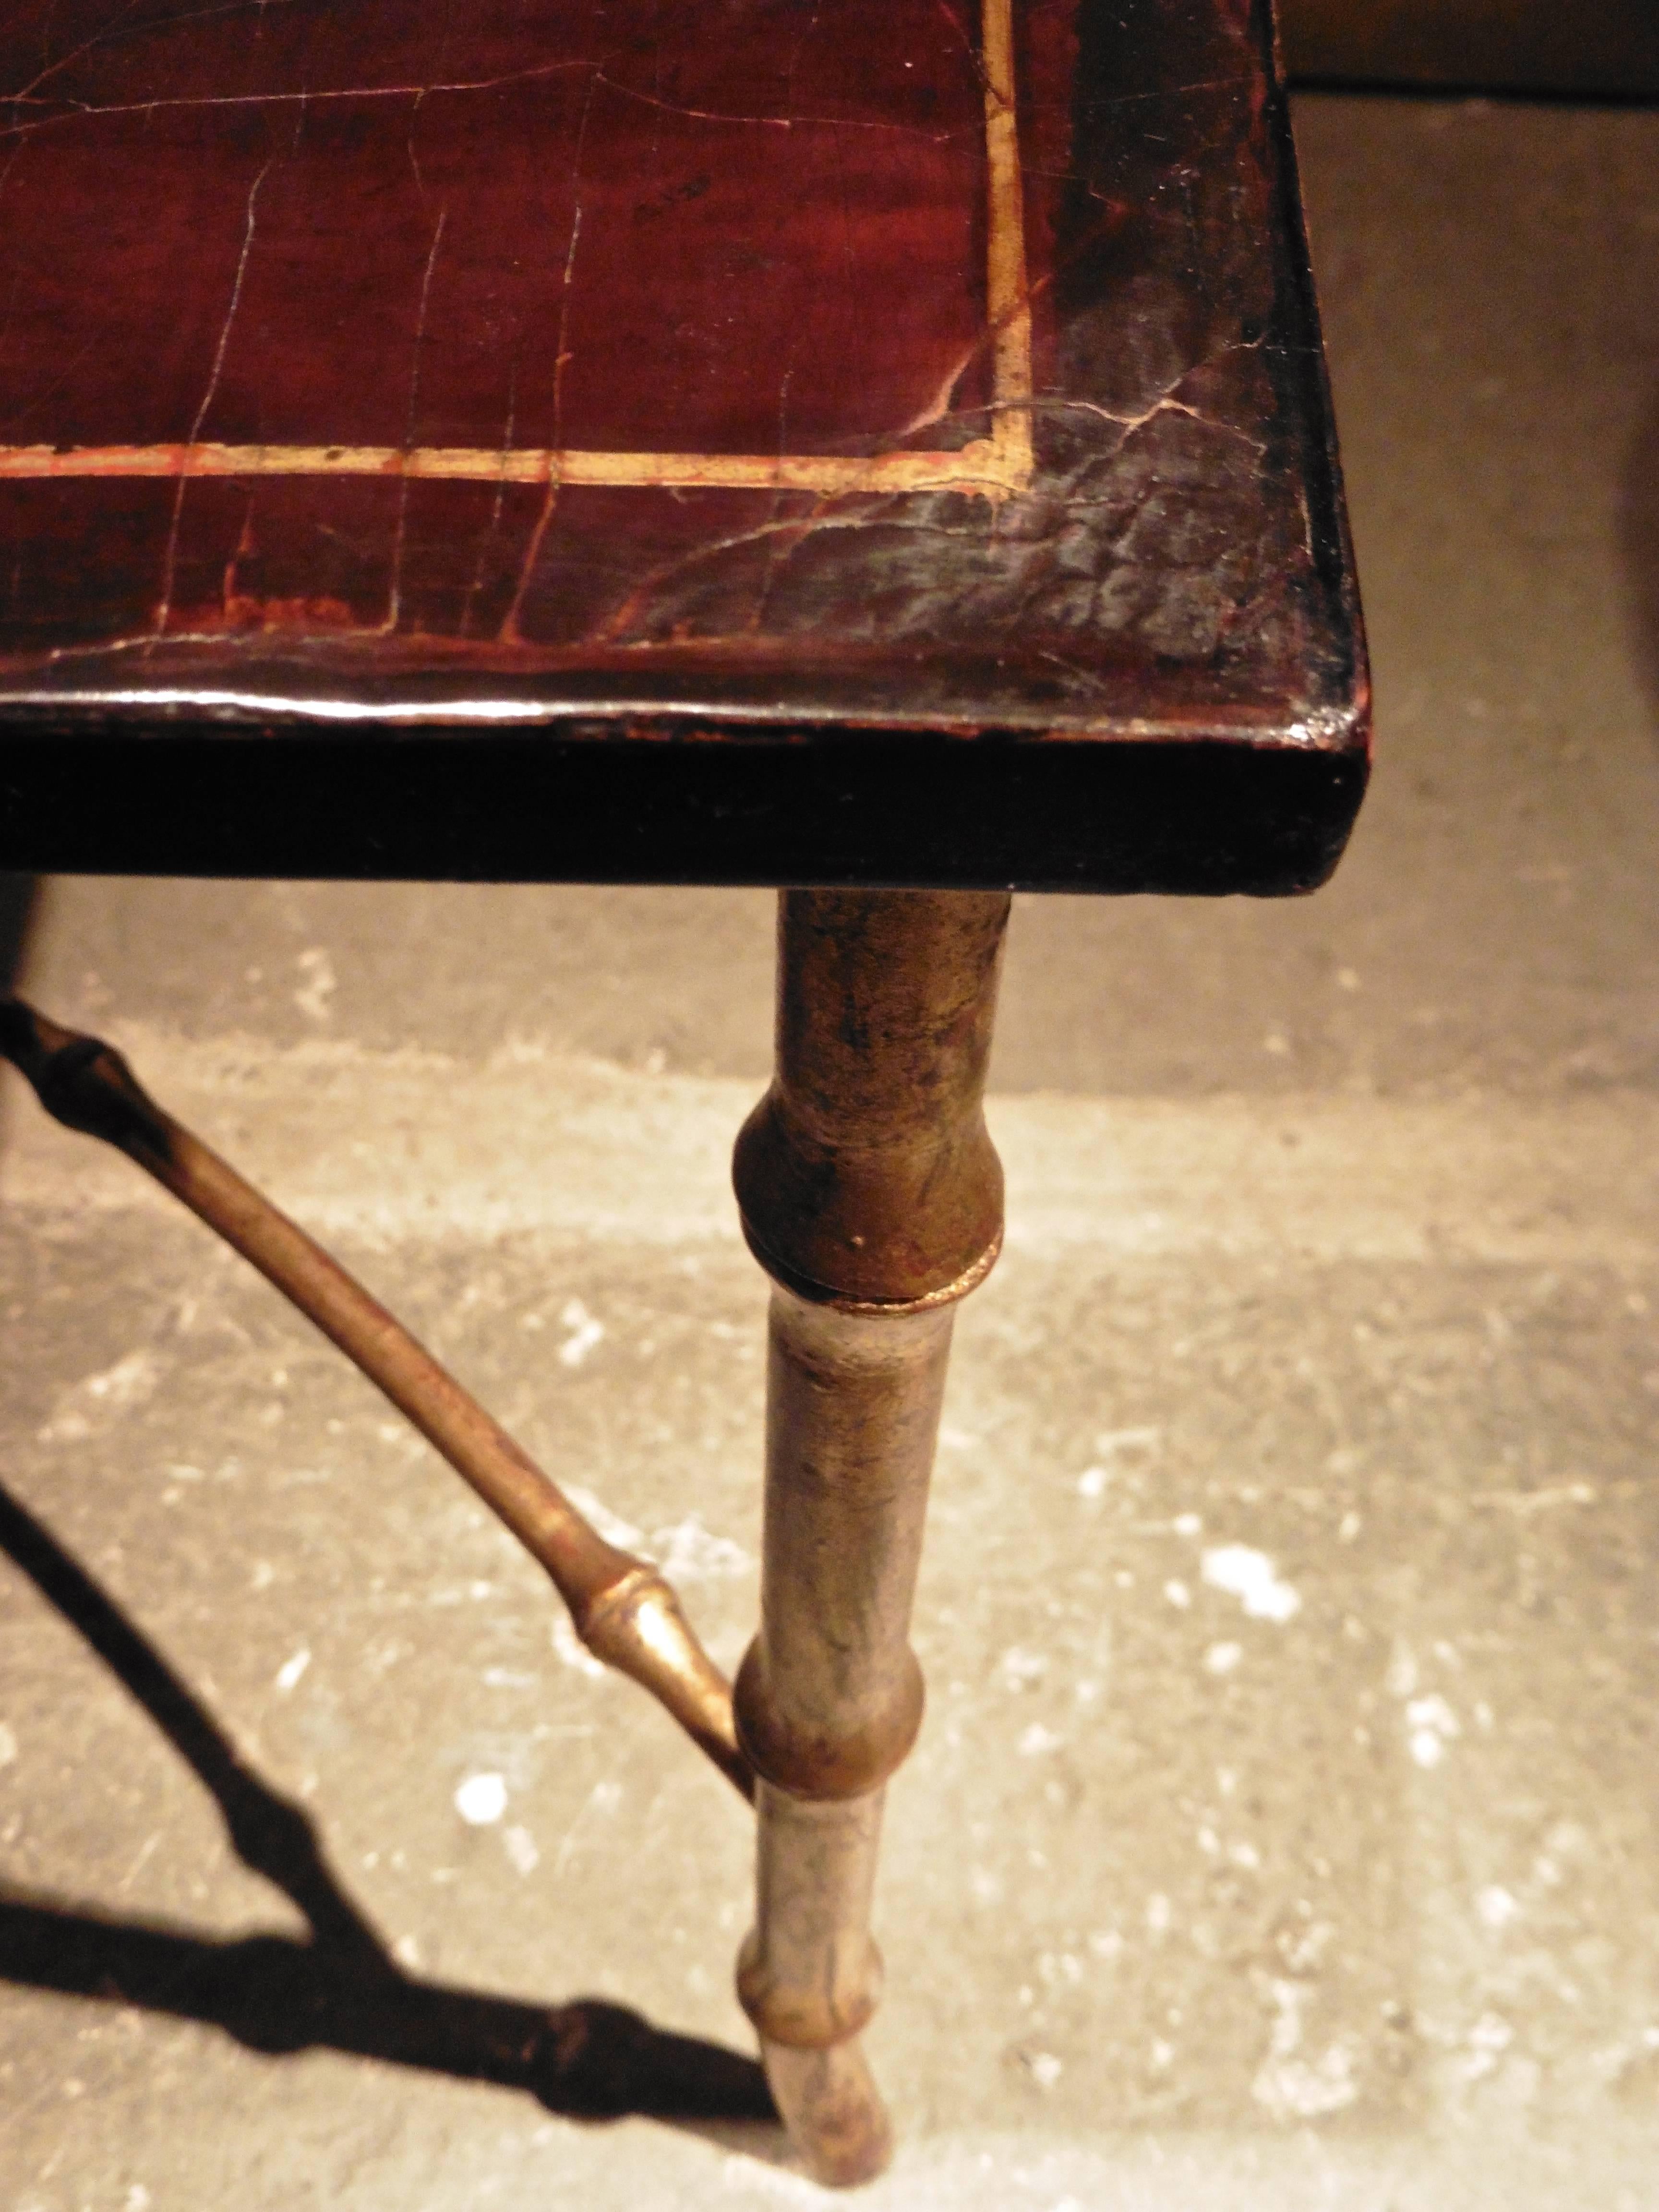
x: 872, y: 1195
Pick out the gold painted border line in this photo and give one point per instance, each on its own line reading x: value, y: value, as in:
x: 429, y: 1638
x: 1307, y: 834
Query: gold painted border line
x: 982, y: 464
x: 993, y: 466
x: 1007, y: 291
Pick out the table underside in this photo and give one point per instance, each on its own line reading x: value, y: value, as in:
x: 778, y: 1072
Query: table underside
x: 666, y: 440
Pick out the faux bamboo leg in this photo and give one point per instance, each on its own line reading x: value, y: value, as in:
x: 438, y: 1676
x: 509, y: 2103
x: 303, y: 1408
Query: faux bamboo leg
x: 870, y: 1193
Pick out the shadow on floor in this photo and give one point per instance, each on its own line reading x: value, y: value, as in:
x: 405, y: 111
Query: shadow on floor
x: 341, y: 1990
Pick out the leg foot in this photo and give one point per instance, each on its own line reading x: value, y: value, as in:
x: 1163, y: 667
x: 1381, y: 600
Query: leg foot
x: 832, y: 2109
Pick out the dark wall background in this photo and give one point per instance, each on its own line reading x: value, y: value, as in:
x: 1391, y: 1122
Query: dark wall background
x: 1594, y: 47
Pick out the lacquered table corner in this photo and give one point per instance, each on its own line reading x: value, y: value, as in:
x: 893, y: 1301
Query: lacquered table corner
x: 855, y: 451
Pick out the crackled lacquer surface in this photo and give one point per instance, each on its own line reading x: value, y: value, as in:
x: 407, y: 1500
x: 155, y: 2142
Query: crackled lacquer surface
x: 641, y: 326
x: 919, y: 365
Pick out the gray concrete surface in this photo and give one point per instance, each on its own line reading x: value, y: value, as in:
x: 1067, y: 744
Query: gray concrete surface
x: 1282, y: 1833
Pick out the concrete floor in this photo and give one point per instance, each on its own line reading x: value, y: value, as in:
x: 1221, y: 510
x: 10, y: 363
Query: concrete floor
x: 1335, y: 1234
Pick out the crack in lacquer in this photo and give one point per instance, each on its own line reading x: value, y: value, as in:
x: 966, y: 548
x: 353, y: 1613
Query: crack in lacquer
x: 510, y: 633
x: 784, y: 529
x: 394, y: 594
x: 492, y: 531
x: 107, y: 36
x: 170, y: 563
x: 784, y: 536
x: 81, y: 111
x: 883, y: 511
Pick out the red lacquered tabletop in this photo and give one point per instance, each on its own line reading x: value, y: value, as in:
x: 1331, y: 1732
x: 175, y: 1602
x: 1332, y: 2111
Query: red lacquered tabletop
x: 666, y: 440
